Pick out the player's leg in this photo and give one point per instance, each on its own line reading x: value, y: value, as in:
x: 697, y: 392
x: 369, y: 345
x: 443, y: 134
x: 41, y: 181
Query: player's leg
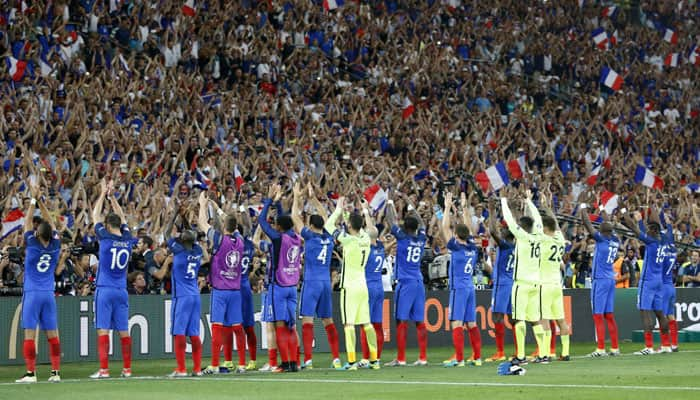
x: 269, y: 330
x: 178, y: 331
x: 418, y: 315
x: 279, y: 315
x: 474, y: 333
x: 565, y: 337
x: 500, y: 300
x: 610, y: 320
x: 670, y: 311
x: 103, y: 322
x: 325, y: 312
x: 49, y: 324
x: 291, y: 303
x: 309, y: 304
x: 217, y: 312
x: 598, y: 304
x: 457, y: 316
x: 249, y: 325
x: 194, y: 317
x: 235, y: 320
x: 645, y: 300
x: 30, y: 321
x: 558, y: 315
x: 519, y: 303
x: 538, y: 301
x: 403, y: 300
x: 376, y: 311
x: 663, y: 331
x: 363, y: 319
x: 121, y: 323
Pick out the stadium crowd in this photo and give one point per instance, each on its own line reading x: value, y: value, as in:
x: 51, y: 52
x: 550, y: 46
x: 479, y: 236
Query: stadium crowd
x: 416, y: 97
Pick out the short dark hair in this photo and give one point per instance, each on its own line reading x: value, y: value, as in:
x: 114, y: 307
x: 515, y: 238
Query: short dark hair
x: 285, y: 222
x: 356, y: 221
x: 462, y: 231
x: 549, y: 222
x: 44, y: 231
x: 316, y: 221
x: 113, y: 220
x: 230, y: 223
x: 188, y: 237
x: 410, y: 224
x: 148, y: 241
x: 526, y: 223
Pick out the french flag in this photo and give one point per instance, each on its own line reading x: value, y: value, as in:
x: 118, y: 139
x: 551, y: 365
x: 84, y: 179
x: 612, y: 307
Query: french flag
x: 495, y: 175
x: 648, y: 106
x: 375, y: 196
x: 13, y: 222
x: 329, y: 5
x: 671, y: 60
x: 615, y: 38
x: 44, y: 67
x: 647, y: 178
x: 238, y: 177
x: 670, y: 36
x: 600, y: 38
x: 609, y: 201
x: 610, y: 12
x: 189, y: 9
x: 16, y: 68
x: 201, y: 180
x: 694, y: 56
x: 408, y: 108
x: 612, y: 124
x: 595, y: 171
x: 517, y: 167
x: 692, y: 188
x: 610, y: 78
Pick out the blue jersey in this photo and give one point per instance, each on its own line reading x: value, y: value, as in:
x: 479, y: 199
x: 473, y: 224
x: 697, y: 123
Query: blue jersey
x: 409, y: 253
x: 463, y: 257
x: 185, y: 268
x: 247, y: 259
x: 670, y: 264
x: 505, y: 263
x: 375, y: 263
x: 653, y: 258
x: 318, y: 249
x: 40, y: 263
x: 606, y: 249
x: 115, y: 251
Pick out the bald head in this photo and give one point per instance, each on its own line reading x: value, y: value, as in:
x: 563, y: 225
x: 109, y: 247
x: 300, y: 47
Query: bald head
x: 606, y: 228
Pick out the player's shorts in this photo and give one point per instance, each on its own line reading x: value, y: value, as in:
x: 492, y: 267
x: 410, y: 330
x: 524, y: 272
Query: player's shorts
x: 266, y: 309
x: 650, y: 295
x: 283, y: 300
x: 376, y: 302
x: 552, y: 302
x: 247, y: 307
x: 669, y: 300
x: 185, y: 311
x: 111, y: 308
x: 316, y: 300
x: 603, y: 296
x: 354, y: 306
x: 409, y: 301
x: 526, y: 302
x: 225, y: 307
x: 501, y: 298
x: 462, y: 305
x: 39, y: 309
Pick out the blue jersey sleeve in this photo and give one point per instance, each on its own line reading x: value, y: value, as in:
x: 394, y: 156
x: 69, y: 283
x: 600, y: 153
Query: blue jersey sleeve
x: 101, y: 231
x: 598, y: 237
x: 28, y: 237
x: 306, y: 233
x: 397, y: 232
x: 264, y: 225
x: 174, y: 246
x: 452, y: 245
x: 647, y: 239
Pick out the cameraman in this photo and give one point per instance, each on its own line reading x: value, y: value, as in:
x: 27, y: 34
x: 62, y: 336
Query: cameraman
x: 11, y: 271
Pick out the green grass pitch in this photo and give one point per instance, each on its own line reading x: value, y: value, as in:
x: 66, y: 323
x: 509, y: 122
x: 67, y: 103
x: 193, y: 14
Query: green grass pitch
x: 658, y: 377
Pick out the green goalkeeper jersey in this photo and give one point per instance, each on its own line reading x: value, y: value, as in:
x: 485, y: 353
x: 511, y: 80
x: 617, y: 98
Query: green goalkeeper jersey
x: 550, y: 262
x: 527, y: 245
x: 356, y: 249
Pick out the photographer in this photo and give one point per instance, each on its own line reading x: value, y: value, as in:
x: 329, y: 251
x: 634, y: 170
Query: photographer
x: 11, y: 276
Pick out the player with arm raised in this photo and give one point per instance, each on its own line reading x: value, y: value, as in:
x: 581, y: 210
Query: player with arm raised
x: 526, y: 275
x: 316, y: 291
x: 186, y: 304
x: 502, y: 281
x: 669, y: 289
x: 463, y: 258
x: 354, y: 298
x: 607, y: 246
x: 552, y: 297
x: 111, y: 297
x: 650, y: 290
x: 373, y: 276
x: 284, y: 272
x: 38, y: 302
x: 266, y: 319
x: 409, y: 297
x: 225, y: 276
x: 247, y: 306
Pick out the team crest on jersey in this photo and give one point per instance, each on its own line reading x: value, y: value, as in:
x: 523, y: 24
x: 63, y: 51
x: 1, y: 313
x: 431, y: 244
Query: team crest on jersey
x: 293, y: 254
x: 232, y: 259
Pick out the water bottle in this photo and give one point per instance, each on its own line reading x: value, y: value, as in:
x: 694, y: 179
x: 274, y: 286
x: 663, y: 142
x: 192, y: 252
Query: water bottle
x: 438, y: 212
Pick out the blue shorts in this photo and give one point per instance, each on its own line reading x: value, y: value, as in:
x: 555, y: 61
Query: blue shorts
x: 410, y: 301
x: 225, y: 307
x: 650, y: 296
x: 669, y: 299
x: 376, y: 302
x: 316, y: 300
x: 284, y: 303
x: 111, y: 308
x: 39, y: 309
x: 462, y: 305
x: 603, y: 296
x: 185, y: 311
x: 247, y: 310
x: 266, y: 309
x: 501, y: 298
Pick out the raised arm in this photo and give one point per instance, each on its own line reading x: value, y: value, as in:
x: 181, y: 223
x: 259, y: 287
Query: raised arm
x: 445, y: 228
x: 320, y: 209
x: 631, y: 224
x: 202, y: 220
x: 117, y: 208
x: 508, y: 216
x: 370, y: 228
x: 296, y: 208
x: 168, y: 233
x: 244, y: 221
x: 97, y: 216
x: 493, y: 223
x: 45, y: 214
x: 533, y: 212
x: 262, y: 218
x: 330, y: 222
x: 390, y: 214
x: 586, y: 220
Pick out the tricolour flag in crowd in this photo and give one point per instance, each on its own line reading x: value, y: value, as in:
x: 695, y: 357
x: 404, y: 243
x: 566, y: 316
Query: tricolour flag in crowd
x: 694, y: 55
x: 517, y: 167
x: 610, y: 12
x: 692, y: 188
x: 375, y: 196
x: 670, y: 36
x: 612, y: 124
x: 201, y: 180
x: 671, y: 60
x: 408, y: 108
x: 609, y: 201
x: 615, y: 38
x: 611, y: 79
x: 330, y: 5
x: 238, y: 178
x: 13, y: 222
x: 16, y: 68
x: 647, y: 178
x: 189, y: 9
x: 600, y: 38
x: 595, y: 171
x: 45, y: 67
x: 495, y: 175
